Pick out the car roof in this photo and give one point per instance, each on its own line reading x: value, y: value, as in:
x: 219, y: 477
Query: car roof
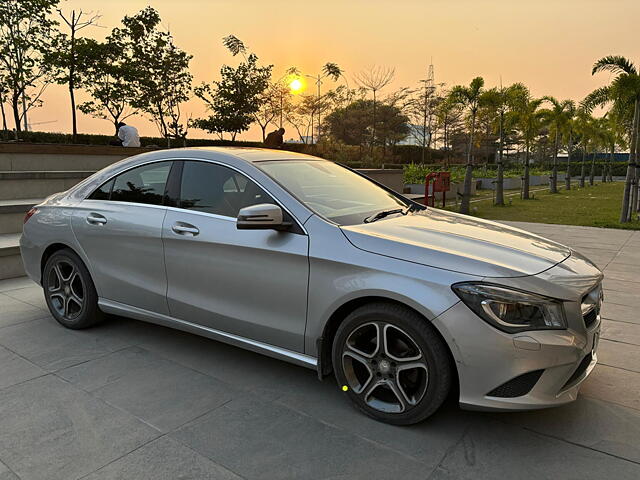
x: 254, y: 154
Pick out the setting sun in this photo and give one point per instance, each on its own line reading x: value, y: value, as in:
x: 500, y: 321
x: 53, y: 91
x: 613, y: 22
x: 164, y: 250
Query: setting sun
x: 296, y: 85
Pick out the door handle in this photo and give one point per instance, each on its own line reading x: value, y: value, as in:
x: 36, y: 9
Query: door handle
x: 96, y: 219
x: 185, y: 229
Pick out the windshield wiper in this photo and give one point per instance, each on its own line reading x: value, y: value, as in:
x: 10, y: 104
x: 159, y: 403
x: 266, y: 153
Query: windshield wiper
x: 386, y: 213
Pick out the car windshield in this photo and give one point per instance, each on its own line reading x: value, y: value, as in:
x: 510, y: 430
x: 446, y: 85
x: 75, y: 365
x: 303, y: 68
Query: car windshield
x: 332, y: 191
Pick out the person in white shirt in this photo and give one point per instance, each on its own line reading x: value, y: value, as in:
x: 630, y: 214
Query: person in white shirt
x: 128, y: 135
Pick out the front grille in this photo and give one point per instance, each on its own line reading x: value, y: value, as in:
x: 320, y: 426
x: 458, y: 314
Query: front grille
x: 590, y: 318
x: 591, y: 304
x: 518, y: 386
x: 584, y: 364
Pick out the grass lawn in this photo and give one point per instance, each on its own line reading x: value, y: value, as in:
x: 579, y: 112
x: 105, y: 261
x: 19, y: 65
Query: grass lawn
x: 597, y: 206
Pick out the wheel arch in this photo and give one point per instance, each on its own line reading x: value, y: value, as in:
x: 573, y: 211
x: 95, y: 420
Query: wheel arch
x: 50, y: 250
x: 324, y: 343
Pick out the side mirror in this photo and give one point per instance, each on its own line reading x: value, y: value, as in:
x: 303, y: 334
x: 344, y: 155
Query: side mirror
x: 264, y: 216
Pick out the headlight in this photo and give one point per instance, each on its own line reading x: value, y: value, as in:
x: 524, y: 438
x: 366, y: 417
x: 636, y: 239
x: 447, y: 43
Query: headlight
x: 511, y: 310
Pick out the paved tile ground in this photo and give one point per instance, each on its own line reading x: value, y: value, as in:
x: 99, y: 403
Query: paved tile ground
x: 128, y: 400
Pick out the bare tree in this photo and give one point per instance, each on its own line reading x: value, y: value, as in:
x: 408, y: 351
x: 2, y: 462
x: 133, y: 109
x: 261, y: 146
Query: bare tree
x: 374, y: 79
x: 70, y: 57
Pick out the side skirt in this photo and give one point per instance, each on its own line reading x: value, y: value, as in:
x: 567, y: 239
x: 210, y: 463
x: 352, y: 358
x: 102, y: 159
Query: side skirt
x: 116, y: 308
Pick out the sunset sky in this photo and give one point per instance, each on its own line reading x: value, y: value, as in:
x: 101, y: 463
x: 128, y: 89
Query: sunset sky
x: 548, y: 45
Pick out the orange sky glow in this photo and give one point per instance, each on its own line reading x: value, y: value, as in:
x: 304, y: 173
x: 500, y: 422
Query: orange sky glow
x: 550, y: 45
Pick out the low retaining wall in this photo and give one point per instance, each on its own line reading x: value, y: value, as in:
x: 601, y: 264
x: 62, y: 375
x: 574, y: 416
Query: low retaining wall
x: 52, y: 157
x: 19, y: 157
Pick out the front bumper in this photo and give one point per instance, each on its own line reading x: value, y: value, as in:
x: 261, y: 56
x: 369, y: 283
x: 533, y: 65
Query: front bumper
x: 487, y: 358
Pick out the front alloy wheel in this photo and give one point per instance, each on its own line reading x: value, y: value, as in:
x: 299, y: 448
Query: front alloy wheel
x: 385, y: 367
x: 392, y: 363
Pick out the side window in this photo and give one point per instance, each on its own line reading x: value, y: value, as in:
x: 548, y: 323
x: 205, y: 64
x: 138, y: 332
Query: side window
x: 103, y: 192
x: 145, y: 184
x: 211, y: 188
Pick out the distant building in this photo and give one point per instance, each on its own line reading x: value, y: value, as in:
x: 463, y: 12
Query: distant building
x: 414, y: 137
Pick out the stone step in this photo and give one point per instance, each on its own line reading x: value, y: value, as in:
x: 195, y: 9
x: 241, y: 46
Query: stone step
x: 10, y: 260
x: 12, y: 213
x: 38, y: 184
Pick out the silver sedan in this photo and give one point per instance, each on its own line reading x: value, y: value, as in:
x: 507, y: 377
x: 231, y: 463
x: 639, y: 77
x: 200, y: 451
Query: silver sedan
x: 304, y: 260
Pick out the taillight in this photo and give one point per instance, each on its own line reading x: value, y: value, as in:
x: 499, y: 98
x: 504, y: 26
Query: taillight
x: 30, y: 214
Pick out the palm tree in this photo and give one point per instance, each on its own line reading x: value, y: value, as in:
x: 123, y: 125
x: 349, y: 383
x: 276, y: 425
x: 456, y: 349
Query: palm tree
x: 469, y: 99
x: 558, y: 117
x: 623, y: 93
x: 499, y: 101
x: 569, y: 132
x: 529, y: 120
x: 584, y: 127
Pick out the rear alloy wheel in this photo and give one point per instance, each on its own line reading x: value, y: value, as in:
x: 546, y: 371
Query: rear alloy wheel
x: 69, y: 291
x: 393, y: 364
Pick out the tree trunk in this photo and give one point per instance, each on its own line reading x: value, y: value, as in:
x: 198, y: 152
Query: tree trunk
x: 610, y: 166
x: 373, y: 128
x: 604, y: 170
x: 583, y: 171
x: 4, y: 120
x: 15, y: 106
x: 525, y: 186
x: 592, y: 171
x: 625, y: 211
x: 500, y: 173
x: 72, y: 84
x: 553, y: 186
x: 567, y: 177
x: 468, y: 175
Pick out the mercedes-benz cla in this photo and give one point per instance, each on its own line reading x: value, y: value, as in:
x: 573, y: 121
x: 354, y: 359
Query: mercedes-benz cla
x: 305, y: 260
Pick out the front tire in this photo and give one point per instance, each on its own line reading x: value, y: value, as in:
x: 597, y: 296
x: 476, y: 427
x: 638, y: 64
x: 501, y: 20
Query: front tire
x: 69, y: 291
x: 394, y: 365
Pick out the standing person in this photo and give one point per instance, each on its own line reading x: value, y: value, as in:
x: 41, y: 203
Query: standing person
x: 127, y: 136
x: 275, y: 139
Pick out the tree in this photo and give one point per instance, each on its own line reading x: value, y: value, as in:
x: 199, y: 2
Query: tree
x: 161, y: 79
x: 623, y: 94
x: 4, y: 91
x: 499, y: 102
x: 26, y: 37
x: 329, y: 70
x: 374, y: 79
x: 469, y: 99
x: 237, y: 96
x: 109, y: 79
x: 529, y: 120
x: 558, y: 118
x: 448, y: 116
x: 351, y: 124
x: 272, y: 102
x: 72, y: 57
x: 585, y: 130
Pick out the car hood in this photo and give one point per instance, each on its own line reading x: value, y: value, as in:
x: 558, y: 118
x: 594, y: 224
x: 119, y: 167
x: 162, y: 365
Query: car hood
x: 458, y: 243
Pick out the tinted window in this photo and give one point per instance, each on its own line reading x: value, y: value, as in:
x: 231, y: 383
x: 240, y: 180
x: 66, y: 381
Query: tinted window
x: 211, y: 188
x: 103, y: 192
x: 145, y: 184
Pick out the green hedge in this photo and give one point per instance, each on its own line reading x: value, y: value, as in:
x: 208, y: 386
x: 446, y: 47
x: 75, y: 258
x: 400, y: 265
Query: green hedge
x: 415, y: 173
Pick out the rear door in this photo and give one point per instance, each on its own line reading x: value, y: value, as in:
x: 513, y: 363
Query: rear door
x: 251, y: 283
x: 120, y: 229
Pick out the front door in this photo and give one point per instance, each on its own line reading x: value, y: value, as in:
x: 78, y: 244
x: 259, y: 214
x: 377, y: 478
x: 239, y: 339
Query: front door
x: 251, y: 283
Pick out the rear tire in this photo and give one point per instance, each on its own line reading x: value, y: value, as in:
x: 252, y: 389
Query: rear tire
x: 69, y: 291
x: 394, y: 365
